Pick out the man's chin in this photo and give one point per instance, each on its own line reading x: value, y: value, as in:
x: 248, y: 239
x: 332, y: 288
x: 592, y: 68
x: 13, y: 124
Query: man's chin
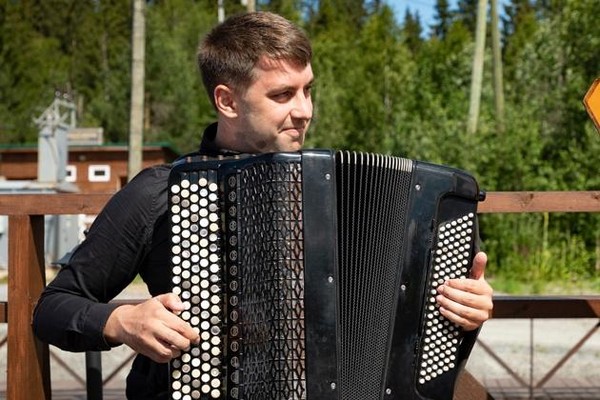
x: 290, y: 144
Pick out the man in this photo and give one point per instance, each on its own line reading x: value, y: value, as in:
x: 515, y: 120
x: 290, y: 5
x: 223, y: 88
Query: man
x: 257, y: 70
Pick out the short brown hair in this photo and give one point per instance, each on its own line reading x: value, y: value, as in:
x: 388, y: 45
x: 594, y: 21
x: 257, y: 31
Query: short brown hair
x: 228, y: 54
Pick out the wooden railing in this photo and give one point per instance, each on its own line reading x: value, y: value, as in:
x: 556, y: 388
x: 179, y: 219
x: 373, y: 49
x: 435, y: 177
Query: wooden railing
x: 28, y: 358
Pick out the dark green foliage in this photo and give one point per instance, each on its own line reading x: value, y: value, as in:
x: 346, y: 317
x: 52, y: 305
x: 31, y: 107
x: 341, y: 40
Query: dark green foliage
x: 177, y: 105
x: 466, y: 13
x: 443, y: 19
x: 413, y: 31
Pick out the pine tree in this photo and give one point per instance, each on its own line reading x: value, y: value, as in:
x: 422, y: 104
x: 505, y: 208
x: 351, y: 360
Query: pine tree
x: 177, y: 106
x: 412, y: 31
x: 519, y: 26
x: 466, y: 13
x: 32, y: 67
x: 443, y: 19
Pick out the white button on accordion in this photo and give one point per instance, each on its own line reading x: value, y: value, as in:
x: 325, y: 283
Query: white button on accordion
x: 313, y: 274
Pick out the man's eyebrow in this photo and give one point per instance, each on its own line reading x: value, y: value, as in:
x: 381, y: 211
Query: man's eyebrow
x: 285, y: 87
x: 280, y: 89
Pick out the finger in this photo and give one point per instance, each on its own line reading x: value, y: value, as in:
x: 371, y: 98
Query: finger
x: 479, y: 263
x: 472, y: 302
x: 455, y: 288
x: 174, y: 339
x: 467, y: 317
x: 170, y: 328
x: 458, y: 319
x: 171, y: 301
x: 185, y: 329
x: 172, y: 321
x: 162, y: 352
x: 469, y: 293
x: 153, y: 346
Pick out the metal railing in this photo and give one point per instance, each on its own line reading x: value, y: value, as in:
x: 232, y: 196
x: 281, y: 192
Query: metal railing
x: 542, y: 307
x: 28, y: 358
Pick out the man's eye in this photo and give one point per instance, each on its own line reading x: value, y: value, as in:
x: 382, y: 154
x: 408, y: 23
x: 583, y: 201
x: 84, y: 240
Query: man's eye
x: 281, y: 96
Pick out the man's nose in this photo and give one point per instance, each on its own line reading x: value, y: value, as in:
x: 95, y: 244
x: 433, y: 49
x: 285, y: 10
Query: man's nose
x: 302, y: 107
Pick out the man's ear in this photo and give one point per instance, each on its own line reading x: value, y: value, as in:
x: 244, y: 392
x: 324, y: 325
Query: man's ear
x: 225, y: 101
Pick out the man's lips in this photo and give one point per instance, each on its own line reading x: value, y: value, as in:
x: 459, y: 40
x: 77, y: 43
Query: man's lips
x: 293, y: 132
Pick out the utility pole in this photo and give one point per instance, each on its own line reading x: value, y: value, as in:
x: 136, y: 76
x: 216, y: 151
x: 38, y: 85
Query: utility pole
x: 477, y: 72
x: 136, y: 116
x: 221, y: 10
x: 497, y: 61
x: 249, y: 4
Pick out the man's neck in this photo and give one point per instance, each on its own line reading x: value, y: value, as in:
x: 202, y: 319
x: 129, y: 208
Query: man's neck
x: 225, y: 137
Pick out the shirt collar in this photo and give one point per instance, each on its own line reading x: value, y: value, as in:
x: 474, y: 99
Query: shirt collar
x: 209, y: 147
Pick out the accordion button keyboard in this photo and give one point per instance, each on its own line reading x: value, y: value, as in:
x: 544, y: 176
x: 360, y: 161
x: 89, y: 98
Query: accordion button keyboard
x: 450, y: 261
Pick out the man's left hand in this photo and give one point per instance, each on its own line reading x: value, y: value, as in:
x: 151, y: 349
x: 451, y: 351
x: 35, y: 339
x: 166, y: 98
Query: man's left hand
x: 467, y: 302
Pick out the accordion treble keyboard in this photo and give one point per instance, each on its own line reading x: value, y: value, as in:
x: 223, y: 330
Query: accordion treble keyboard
x: 312, y: 275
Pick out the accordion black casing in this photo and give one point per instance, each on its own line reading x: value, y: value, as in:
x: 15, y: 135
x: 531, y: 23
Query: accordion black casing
x: 313, y: 274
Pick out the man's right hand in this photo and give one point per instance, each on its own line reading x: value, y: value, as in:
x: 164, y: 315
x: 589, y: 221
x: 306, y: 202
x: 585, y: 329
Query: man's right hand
x: 152, y: 328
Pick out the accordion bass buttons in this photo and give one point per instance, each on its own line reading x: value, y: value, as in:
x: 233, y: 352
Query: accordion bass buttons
x: 450, y: 260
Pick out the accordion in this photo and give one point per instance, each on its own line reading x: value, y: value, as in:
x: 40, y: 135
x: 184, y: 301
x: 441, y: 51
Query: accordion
x: 313, y: 274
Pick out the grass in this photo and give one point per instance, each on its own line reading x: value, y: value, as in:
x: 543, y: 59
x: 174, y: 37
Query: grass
x: 523, y: 287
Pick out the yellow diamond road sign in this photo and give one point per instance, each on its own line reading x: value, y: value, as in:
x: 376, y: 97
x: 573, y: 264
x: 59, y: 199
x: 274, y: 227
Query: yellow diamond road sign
x: 591, y: 101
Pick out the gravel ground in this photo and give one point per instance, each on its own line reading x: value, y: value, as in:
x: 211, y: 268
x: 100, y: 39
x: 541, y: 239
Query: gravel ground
x: 531, y: 349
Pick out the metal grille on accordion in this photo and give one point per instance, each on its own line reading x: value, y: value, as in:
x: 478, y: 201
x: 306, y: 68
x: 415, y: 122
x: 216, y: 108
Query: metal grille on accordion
x: 311, y: 275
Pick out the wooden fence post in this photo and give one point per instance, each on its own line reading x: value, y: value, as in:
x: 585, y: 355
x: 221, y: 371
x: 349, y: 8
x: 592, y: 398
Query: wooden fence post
x: 468, y: 388
x: 28, y: 375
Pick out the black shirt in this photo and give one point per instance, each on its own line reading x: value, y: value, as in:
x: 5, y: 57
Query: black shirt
x: 129, y: 237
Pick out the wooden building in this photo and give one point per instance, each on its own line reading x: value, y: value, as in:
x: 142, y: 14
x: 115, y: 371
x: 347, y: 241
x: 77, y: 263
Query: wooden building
x: 91, y: 168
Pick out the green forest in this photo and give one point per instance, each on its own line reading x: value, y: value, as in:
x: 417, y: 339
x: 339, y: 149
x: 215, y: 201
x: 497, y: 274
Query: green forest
x: 385, y: 83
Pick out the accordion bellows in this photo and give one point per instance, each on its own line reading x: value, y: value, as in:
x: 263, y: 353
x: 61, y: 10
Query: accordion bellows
x: 313, y: 274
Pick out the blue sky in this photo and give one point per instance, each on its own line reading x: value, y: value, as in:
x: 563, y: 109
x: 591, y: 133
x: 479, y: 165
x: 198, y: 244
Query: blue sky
x: 425, y: 9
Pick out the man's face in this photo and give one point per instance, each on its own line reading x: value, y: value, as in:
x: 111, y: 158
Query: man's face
x: 275, y: 111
